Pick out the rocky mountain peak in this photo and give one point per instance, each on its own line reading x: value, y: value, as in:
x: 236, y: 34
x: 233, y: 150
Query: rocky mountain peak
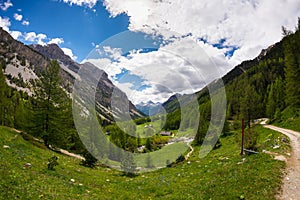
x: 54, y: 52
x: 51, y: 51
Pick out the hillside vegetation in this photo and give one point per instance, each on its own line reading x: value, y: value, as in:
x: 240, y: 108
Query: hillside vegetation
x: 267, y: 86
x: 223, y: 174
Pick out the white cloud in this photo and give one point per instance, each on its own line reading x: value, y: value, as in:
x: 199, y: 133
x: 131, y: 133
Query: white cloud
x: 18, y: 17
x: 5, y: 23
x: 35, y: 38
x: 16, y: 34
x: 26, y: 23
x: 88, y: 3
x: 114, y: 53
x: 180, y: 67
x: 5, y: 5
x: 56, y: 41
x: 250, y: 24
x: 69, y: 52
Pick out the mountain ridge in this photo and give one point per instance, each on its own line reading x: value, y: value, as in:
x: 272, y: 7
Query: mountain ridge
x: 37, y: 57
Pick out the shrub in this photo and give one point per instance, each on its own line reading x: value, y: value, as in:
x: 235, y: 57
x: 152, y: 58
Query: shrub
x: 52, y: 162
x: 90, y: 160
x: 251, y: 136
x: 168, y: 163
x: 180, y: 159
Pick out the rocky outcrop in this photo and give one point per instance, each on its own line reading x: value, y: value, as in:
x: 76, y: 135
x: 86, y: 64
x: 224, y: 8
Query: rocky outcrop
x: 37, y: 57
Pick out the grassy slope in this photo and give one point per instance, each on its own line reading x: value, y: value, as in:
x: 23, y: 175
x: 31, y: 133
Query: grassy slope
x: 290, y: 119
x: 218, y: 176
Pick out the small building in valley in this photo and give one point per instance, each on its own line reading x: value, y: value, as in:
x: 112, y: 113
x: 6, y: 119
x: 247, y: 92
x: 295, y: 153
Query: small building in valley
x: 165, y: 133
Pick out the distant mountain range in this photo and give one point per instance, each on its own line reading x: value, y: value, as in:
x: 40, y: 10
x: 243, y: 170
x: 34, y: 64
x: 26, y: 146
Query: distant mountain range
x: 28, y: 62
x: 149, y: 108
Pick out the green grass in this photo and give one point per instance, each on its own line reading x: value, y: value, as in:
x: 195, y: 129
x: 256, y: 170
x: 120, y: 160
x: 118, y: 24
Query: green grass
x: 272, y: 141
x: 290, y: 119
x: 220, y: 175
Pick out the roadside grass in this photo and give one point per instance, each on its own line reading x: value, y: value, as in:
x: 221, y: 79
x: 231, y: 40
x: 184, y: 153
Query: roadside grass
x: 221, y: 175
x: 290, y: 119
x: 273, y: 141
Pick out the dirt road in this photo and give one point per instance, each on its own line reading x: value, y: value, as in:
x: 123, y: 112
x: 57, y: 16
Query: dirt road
x: 291, y: 182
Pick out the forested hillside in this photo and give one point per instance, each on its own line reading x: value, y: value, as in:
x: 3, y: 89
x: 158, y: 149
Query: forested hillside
x: 267, y: 86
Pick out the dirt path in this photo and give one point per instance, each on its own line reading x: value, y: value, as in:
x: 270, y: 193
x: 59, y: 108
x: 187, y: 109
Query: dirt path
x: 191, y: 151
x: 291, y: 182
x: 65, y: 152
x: 62, y: 151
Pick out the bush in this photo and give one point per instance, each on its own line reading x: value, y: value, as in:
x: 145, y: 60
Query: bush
x: 217, y: 145
x: 90, y: 160
x: 251, y: 137
x: 180, y: 159
x: 168, y: 163
x: 52, y: 162
x: 226, y: 129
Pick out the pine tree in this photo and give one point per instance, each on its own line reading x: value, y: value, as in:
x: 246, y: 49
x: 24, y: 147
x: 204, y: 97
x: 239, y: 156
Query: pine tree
x: 271, y: 105
x: 226, y: 129
x: 6, y: 118
x: 20, y: 115
x: 148, y: 144
x: 3, y: 88
x: 292, y: 71
x: 276, y: 98
x: 52, y: 109
x: 249, y: 103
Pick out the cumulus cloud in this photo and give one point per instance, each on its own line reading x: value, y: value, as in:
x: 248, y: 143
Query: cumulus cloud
x: 228, y: 32
x: 56, y: 41
x: 26, y: 23
x: 18, y: 17
x: 16, y: 34
x: 35, y: 38
x: 32, y: 37
x: 5, y: 5
x: 5, y: 23
x: 250, y: 25
x: 180, y: 67
x: 88, y: 3
x: 69, y: 52
x: 114, y: 53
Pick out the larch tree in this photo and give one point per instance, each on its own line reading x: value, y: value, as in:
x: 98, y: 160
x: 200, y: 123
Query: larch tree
x: 52, y: 107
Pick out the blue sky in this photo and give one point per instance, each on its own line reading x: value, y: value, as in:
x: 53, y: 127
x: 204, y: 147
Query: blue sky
x: 195, y: 41
x: 80, y: 27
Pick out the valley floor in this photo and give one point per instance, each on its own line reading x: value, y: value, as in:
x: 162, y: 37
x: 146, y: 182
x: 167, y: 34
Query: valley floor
x: 223, y: 174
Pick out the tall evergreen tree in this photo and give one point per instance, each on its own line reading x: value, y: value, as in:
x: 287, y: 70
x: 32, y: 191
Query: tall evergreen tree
x: 52, y: 107
x: 292, y: 70
x: 2, y: 95
x: 5, y: 104
x: 249, y: 103
x: 275, y: 101
x: 271, y: 105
